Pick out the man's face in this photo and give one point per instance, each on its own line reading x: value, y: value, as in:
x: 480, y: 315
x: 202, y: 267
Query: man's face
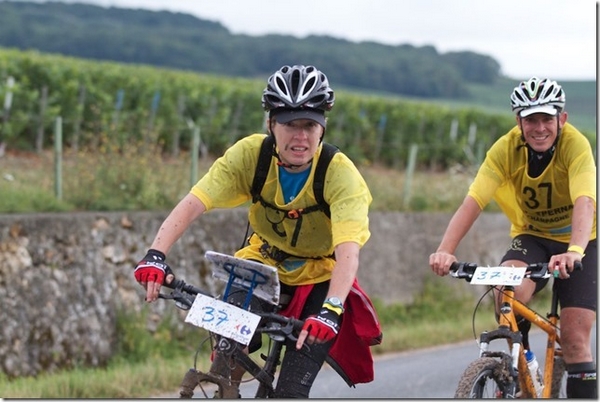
x: 540, y: 129
x: 297, y: 141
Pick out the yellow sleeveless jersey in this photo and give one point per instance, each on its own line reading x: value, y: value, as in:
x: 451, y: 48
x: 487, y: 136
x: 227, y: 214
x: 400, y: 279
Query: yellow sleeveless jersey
x: 228, y: 182
x: 540, y: 206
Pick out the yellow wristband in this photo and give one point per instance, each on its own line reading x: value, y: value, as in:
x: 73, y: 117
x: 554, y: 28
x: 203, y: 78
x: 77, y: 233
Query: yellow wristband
x: 337, y: 309
x: 576, y: 249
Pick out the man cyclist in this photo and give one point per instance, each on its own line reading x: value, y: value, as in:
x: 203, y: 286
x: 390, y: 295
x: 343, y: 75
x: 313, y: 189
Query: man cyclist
x: 316, y: 254
x: 542, y: 174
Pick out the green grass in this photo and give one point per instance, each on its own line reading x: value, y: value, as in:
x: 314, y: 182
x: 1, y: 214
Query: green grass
x: 122, y: 181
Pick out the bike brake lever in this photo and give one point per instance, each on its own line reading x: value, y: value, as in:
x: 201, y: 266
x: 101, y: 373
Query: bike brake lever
x: 180, y: 300
x: 286, y: 330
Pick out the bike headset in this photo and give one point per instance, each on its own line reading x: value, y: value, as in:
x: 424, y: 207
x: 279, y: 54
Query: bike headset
x: 538, y: 96
x: 297, y: 92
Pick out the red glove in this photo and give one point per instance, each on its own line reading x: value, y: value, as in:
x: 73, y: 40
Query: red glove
x: 152, y: 268
x: 323, y: 326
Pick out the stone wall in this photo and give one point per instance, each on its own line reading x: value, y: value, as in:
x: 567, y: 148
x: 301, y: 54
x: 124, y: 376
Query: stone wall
x: 64, y: 277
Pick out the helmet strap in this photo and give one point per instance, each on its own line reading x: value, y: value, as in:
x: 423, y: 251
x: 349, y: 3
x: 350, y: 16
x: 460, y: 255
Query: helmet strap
x: 290, y: 166
x: 282, y: 163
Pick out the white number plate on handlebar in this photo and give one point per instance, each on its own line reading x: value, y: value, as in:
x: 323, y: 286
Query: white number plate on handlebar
x: 498, y: 276
x: 223, y: 318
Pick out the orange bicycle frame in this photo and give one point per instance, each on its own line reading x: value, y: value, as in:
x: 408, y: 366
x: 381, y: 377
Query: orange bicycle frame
x: 509, y: 309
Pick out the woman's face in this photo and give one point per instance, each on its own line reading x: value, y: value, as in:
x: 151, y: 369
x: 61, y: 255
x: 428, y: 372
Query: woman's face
x: 297, y: 141
x: 540, y: 129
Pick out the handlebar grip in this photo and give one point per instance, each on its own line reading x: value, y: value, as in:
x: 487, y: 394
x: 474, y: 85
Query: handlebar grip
x: 454, y: 266
x: 175, y: 283
x: 185, y: 287
x: 463, y: 267
x: 578, y: 266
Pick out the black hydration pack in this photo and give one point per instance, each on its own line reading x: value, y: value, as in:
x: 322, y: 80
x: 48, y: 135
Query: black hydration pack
x: 267, y: 151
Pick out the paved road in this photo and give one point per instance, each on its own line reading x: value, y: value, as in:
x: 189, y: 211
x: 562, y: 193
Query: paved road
x: 424, y: 373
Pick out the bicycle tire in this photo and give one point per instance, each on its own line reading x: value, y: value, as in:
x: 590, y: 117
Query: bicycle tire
x: 485, y: 378
x: 559, y: 378
x: 214, y: 384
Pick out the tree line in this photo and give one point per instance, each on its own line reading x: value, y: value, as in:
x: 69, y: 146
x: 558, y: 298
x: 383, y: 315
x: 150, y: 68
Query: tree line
x: 182, y: 41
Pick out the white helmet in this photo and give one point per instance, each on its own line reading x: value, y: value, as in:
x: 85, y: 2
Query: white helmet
x: 537, y: 96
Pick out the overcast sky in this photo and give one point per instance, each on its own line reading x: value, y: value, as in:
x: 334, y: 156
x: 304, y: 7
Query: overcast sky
x: 547, y: 38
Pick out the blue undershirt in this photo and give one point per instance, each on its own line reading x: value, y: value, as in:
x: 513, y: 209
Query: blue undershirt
x: 292, y: 183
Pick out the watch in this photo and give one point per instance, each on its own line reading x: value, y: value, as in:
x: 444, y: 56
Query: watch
x: 336, y: 302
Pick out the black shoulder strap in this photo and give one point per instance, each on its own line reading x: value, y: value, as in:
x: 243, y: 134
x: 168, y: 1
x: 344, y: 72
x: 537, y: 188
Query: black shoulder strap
x: 262, y: 167
x: 264, y: 163
x: 322, y: 164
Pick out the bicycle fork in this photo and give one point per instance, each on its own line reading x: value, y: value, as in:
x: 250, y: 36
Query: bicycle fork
x: 219, y: 374
x: 508, y: 330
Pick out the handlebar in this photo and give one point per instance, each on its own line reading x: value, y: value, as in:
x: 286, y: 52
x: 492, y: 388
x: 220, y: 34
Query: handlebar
x: 538, y: 270
x: 293, y: 323
x: 184, y: 295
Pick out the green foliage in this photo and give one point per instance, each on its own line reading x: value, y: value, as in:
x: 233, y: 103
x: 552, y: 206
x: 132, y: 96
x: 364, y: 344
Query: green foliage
x: 111, y: 179
x: 109, y: 105
x: 26, y: 200
x: 168, y: 340
x: 434, y: 302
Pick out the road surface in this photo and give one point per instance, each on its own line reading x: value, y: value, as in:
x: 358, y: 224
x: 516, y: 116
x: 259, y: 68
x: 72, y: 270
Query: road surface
x: 423, y: 373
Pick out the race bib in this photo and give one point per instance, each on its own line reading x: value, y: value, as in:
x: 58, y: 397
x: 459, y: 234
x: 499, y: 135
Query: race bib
x: 498, y: 276
x: 223, y: 318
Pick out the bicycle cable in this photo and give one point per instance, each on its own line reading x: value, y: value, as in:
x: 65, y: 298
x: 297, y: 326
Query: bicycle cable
x: 475, y: 312
x: 198, y: 349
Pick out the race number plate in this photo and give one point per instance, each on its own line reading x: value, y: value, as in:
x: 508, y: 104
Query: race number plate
x: 267, y: 281
x: 498, y: 276
x: 223, y: 318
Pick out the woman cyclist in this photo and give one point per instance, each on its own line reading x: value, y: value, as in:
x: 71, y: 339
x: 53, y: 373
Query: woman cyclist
x: 316, y: 254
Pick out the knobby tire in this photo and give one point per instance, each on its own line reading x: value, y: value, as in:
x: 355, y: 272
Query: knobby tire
x: 485, y: 378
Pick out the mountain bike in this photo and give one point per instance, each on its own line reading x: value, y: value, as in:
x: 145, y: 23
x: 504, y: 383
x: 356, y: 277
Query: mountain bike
x: 500, y: 374
x: 231, y: 327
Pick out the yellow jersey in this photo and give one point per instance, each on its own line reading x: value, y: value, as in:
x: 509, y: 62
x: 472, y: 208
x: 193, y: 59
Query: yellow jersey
x: 228, y: 183
x: 541, y: 206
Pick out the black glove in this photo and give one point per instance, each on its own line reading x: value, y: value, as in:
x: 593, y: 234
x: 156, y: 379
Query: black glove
x: 152, y: 268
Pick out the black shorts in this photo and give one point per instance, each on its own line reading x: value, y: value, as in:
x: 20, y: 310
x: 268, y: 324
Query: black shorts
x: 581, y: 289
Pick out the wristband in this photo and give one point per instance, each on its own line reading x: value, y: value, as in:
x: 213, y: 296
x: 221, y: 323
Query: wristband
x: 576, y: 249
x: 334, y: 304
x: 156, y: 253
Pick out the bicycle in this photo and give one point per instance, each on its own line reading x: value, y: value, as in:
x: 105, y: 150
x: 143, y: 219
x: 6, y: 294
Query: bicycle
x: 498, y: 374
x: 231, y: 327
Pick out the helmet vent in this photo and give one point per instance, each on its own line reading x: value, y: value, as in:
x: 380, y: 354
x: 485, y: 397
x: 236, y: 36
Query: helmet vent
x: 536, y: 93
x: 298, y: 87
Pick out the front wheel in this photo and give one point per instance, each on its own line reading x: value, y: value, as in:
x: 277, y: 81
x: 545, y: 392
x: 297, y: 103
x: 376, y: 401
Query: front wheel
x: 485, y: 377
